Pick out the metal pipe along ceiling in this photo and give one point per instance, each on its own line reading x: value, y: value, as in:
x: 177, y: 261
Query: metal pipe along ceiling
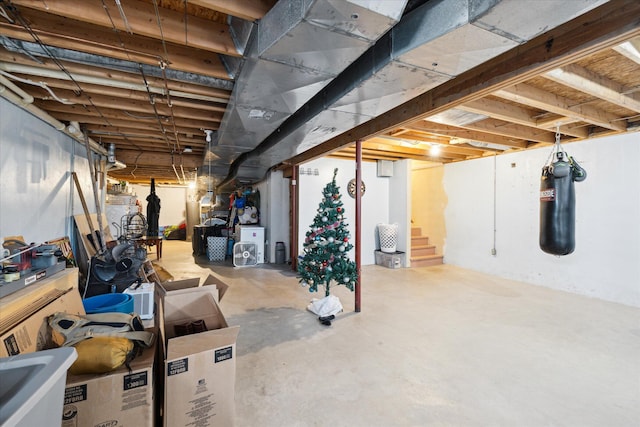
x: 285, y: 103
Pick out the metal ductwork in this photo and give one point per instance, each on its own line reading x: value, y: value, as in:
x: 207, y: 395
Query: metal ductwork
x: 287, y: 100
x: 296, y: 49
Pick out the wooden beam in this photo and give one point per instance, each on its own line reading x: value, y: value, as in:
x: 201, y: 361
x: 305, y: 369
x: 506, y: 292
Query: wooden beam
x: 142, y: 175
x: 196, y: 141
x: 249, y: 10
x: 110, y: 123
x: 109, y: 96
x: 154, y: 146
x: 19, y: 64
x: 603, y: 27
x: 630, y: 50
x: 89, y: 114
x: 511, y: 130
x: 579, y: 78
x: 411, y: 152
x: 527, y: 94
x: 132, y: 128
x: 551, y: 120
x: 118, y: 108
x: 501, y: 110
x: 146, y: 158
x: 67, y: 33
x: 463, y: 149
x: 473, y: 135
x: 515, y: 114
x: 141, y: 17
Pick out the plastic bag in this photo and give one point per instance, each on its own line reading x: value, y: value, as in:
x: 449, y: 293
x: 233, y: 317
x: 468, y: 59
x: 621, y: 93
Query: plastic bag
x: 326, y: 306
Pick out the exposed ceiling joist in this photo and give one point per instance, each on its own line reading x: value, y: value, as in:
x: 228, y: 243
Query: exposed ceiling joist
x: 71, y: 34
x: 153, y: 87
x: 467, y: 134
x: 244, y: 9
x: 610, y: 25
x: 600, y: 87
x: 140, y: 18
x: 526, y: 94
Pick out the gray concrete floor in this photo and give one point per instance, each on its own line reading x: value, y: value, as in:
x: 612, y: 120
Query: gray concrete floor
x: 433, y: 346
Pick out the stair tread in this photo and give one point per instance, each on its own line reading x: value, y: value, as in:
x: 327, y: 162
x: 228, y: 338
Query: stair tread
x: 413, y: 247
x: 420, y: 257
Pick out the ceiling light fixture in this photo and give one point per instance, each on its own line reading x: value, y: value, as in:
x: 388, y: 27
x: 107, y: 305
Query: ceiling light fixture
x: 187, y: 149
x: 435, y: 150
x: 208, y: 132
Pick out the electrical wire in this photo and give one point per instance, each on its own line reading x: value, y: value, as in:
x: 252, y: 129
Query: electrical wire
x: 124, y: 17
x: 22, y: 22
x: 4, y: 14
x: 163, y: 64
x: 136, y: 164
x: 138, y: 117
x: 155, y: 110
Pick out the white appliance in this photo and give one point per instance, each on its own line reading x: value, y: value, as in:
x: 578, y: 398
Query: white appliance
x: 245, y: 254
x: 143, y: 302
x: 252, y: 234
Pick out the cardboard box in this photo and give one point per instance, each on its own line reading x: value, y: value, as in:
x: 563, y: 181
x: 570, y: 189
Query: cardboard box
x: 199, y: 369
x: 18, y: 306
x: 32, y: 333
x: 120, y: 398
x: 215, y: 286
x: 390, y: 260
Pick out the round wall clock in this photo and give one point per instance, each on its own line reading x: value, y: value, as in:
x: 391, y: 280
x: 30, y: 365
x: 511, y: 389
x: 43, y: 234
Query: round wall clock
x: 351, y: 188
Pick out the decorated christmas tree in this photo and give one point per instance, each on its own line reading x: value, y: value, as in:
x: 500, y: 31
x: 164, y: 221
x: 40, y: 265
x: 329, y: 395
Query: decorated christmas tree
x: 326, y: 247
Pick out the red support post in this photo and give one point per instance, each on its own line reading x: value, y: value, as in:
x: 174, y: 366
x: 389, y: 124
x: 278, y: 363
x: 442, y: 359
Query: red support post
x: 293, y: 206
x: 358, y: 222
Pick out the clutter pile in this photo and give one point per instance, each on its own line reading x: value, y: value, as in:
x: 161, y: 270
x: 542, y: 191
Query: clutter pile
x: 127, y: 336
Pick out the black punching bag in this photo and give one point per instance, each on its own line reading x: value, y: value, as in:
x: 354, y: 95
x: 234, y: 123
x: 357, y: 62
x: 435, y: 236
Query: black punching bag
x: 558, y: 205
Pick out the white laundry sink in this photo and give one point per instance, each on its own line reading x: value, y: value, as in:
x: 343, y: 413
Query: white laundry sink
x: 32, y: 392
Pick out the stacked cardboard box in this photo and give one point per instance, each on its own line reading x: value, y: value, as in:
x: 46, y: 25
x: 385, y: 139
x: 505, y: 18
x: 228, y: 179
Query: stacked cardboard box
x: 23, y: 314
x: 198, y: 380
x: 182, y: 380
x: 120, y: 398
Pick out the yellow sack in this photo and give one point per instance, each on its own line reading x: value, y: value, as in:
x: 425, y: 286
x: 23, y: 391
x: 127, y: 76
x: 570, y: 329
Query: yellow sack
x: 99, y: 355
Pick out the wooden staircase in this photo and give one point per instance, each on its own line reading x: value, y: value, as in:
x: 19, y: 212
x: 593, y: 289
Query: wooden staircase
x: 422, y: 253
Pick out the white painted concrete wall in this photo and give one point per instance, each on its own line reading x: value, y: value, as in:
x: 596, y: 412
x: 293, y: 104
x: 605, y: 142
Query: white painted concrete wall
x: 274, y: 210
x: 375, y: 202
x: 400, y: 206
x: 36, y: 162
x: 606, y: 261
x: 36, y: 202
x: 173, y: 202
